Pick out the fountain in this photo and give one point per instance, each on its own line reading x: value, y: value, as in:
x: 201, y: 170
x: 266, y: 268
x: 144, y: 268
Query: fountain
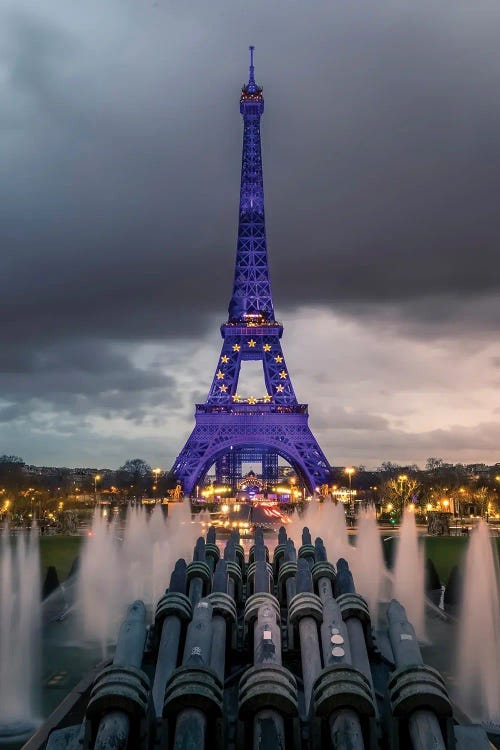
x: 99, y: 580
x: 408, y: 573
x: 368, y: 563
x: 135, y: 557
x: 478, y: 654
x: 19, y: 634
x: 309, y: 670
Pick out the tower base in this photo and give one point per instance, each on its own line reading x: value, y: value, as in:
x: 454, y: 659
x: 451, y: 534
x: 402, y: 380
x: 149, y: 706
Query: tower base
x: 281, y: 429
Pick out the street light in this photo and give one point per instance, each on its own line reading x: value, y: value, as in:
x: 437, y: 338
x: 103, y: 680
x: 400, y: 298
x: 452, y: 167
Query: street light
x: 349, y: 470
x: 156, y: 472
x: 402, y: 479
x: 97, y: 478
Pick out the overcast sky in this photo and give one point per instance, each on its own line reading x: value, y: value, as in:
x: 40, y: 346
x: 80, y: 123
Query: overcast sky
x: 120, y: 148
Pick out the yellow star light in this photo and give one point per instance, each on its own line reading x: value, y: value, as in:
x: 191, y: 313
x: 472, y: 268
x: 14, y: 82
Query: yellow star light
x: 224, y: 359
x: 251, y: 343
x: 283, y: 374
x: 236, y: 348
x: 279, y: 358
x: 267, y: 398
x: 252, y: 400
x: 236, y: 397
x: 267, y: 347
x: 223, y: 388
x: 219, y: 375
x: 280, y: 388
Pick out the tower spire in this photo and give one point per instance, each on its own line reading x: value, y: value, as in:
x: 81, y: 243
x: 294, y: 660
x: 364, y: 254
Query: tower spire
x: 251, y: 78
x: 252, y: 290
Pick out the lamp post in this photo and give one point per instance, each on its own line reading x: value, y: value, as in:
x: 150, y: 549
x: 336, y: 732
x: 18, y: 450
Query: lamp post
x: 97, y: 478
x: 156, y: 472
x: 402, y: 478
x: 349, y: 470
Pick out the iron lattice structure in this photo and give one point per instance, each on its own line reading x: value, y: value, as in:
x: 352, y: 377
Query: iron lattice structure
x: 229, y: 428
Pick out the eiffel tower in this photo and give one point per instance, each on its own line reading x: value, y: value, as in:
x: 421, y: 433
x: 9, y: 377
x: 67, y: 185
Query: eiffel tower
x: 231, y: 430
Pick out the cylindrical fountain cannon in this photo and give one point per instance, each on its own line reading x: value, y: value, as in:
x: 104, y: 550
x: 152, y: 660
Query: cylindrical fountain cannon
x: 235, y: 578
x: 173, y: 609
x: 307, y: 550
x: 259, y: 554
x: 279, y: 551
x: 306, y: 611
x: 240, y: 552
x: 418, y: 697
x: 323, y: 572
x: 198, y: 573
x: 287, y: 574
x: 118, y: 710
x: 212, y: 552
x: 193, y: 698
x: 356, y: 616
x: 342, y: 694
x: 224, y: 616
x: 258, y: 542
x: 268, y: 691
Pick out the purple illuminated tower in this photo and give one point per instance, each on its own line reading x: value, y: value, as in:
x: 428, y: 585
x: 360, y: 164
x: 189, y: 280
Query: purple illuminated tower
x: 231, y: 430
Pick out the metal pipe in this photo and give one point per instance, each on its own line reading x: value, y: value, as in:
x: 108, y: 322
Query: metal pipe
x: 345, y: 730
x: 191, y: 724
x: 190, y: 730
x: 308, y: 630
x: 132, y: 637
x: 195, y: 591
x: 113, y: 732
x: 168, y: 649
x: 268, y: 725
x: 291, y: 589
x: 268, y: 731
x: 423, y: 725
x: 219, y: 624
x: 359, y: 653
x: 345, y: 725
x: 310, y: 655
x: 402, y: 636
x: 114, y: 726
x: 425, y: 731
x: 325, y: 590
x: 218, y: 655
x: 167, y: 659
x: 355, y: 614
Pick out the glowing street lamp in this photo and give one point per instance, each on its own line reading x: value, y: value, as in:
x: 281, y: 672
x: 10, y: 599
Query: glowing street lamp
x: 349, y: 470
x: 97, y: 478
x: 156, y: 472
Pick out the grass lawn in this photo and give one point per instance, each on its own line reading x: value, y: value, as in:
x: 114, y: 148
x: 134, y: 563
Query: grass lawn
x: 59, y: 551
x: 444, y: 551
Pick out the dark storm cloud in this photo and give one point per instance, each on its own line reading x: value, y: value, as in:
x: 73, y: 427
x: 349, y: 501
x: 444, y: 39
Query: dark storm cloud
x: 120, y: 144
x: 382, y: 161
x: 83, y: 377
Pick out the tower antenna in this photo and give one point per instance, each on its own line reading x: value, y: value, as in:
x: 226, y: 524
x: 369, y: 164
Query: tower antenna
x: 252, y: 77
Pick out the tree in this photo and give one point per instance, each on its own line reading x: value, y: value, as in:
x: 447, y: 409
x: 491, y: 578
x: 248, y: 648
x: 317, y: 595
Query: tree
x: 433, y: 464
x: 134, y: 476
x: 390, y: 468
x: 483, y: 498
x: 12, y: 476
x: 400, y: 493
